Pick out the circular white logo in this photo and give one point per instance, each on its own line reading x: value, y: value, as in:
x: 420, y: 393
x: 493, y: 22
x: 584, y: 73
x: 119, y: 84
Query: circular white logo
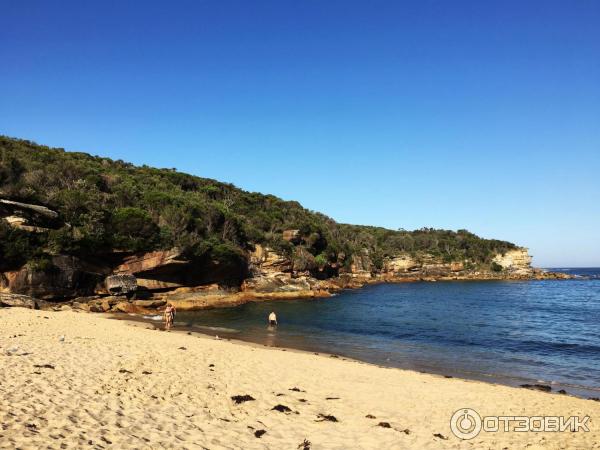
x: 465, y: 423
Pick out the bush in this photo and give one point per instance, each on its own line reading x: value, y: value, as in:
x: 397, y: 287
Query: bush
x: 321, y: 260
x: 42, y: 263
x: 17, y: 246
x: 133, y: 229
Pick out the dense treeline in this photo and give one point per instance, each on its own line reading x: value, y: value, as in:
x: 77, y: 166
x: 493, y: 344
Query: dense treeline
x: 111, y: 205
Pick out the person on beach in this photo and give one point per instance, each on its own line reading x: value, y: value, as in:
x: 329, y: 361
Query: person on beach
x: 169, y: 316
x: 272, y: 319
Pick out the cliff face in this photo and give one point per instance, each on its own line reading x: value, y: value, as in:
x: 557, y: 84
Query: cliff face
x: 265, y: 272
x: 60, y: 277
x: 156, y: 277
x: 516, y: 261
x: 270, y: 275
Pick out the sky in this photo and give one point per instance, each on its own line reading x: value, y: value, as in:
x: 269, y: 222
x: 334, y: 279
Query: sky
x: 482, y: 115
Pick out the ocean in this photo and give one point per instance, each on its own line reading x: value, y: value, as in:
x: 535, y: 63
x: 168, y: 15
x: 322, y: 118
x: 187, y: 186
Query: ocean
x: 509, y: 332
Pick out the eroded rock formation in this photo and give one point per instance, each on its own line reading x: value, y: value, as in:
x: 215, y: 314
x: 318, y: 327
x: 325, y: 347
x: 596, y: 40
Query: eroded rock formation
x: 146, y: 281
x: 60, y: 276
x: 33, y: 218
x: 515, y: 261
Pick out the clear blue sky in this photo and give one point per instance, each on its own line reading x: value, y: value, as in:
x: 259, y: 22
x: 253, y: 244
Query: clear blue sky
x: 482, y: 115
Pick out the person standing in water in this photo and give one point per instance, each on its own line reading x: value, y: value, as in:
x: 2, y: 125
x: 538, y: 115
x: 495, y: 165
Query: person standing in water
x: 169, y: 315
x: 272, y: 318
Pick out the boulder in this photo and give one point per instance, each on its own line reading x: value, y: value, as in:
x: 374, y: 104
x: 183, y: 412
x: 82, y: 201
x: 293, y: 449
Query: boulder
x: 121, y: 284
x: 97, y: 307
x: 194, y: 302
x: 281, y: 283
x: 97, y: 303
x: 16, y: 300
x: 150, y: 303
x: 81, y: 306
x: 265, y: 261
x: 65, y: 276
x: 303, y: 261
x: 125, y: 307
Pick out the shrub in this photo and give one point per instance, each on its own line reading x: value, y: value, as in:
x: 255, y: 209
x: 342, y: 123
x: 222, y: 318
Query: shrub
x: 133, y: 229
x: 321, y: 260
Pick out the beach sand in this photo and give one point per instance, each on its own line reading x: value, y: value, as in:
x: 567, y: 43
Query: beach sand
x: 117, y: 384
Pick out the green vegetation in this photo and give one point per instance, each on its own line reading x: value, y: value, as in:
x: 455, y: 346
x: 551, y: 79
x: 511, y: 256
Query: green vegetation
x: 111, y: 205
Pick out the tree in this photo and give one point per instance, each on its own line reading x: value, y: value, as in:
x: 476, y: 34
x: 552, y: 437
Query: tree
x: 133, y: 229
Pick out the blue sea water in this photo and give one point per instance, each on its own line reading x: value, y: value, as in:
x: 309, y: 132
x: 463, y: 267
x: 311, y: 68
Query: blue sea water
x: 511, y: 332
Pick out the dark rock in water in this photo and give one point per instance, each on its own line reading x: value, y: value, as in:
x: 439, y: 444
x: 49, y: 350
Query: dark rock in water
x: 370, y: 416
x: 305, y: 445
x: 562, y: 391
x: 281, y: 408
x: 328, y: 418
x: 242, y: 398
x: 596, y: 399
x: 259, y: 433
x: 448, y: 376
x: 440, y: 436
x: 537, y: 387
x: 384, y: 425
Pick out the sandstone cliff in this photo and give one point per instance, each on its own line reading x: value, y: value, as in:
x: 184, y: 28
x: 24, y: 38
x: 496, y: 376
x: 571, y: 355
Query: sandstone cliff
x: 153, y: 278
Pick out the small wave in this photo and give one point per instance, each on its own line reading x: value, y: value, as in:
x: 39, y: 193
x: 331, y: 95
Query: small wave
x: 221, y: 329
x: 157, y: 318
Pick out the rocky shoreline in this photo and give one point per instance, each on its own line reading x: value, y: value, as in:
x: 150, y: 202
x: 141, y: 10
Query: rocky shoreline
x: 265, y: 287
x: 121, y: 281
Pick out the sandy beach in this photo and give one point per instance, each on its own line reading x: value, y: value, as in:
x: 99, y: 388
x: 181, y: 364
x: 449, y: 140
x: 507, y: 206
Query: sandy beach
x: 78, y: 380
